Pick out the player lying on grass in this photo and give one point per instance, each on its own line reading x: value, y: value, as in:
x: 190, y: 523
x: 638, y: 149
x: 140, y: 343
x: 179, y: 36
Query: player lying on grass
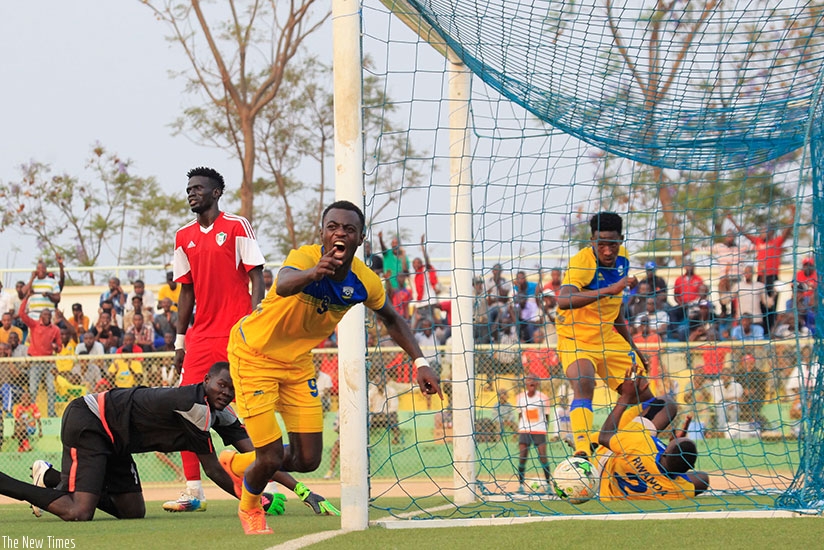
x: 634, y: 463
x: 101, y: 431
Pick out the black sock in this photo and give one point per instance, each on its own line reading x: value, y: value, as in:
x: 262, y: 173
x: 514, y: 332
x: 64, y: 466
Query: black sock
x: 51, y: 478
x: 39, y: 496
x: 521, y: 470
x: 546, y: 471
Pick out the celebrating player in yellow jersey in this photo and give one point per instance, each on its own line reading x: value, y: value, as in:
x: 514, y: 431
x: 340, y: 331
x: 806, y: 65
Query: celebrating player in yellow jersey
x: 634, y: 464
x: 593, y: 337
x: 270, y: 353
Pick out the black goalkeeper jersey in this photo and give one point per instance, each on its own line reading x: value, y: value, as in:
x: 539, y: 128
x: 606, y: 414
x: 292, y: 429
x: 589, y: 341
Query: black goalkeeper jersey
x: 141, y: 419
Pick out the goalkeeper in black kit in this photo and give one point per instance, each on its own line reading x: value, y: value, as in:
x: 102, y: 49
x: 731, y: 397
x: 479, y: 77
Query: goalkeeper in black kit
x: 101, y: 431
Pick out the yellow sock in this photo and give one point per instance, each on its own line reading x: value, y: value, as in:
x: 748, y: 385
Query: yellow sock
x: 241, y: 461
x: 249, y: 501
x: 580, y: 419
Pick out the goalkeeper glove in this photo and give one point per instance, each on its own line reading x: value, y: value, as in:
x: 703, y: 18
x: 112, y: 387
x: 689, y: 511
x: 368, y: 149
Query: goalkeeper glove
x: 317, y: 503
x: 274, y: 504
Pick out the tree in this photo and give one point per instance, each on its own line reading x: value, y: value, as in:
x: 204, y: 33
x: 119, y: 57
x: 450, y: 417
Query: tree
x: 249, y: 47
x: 81, y: 220
x: 295, y: 150
x: 663, y: 49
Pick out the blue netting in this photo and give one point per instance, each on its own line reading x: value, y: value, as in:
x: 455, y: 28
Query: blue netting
x: 700, y: 86
x: 560, y: 62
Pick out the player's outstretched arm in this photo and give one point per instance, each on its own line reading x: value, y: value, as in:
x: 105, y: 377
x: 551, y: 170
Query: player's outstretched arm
x: 216, y: 473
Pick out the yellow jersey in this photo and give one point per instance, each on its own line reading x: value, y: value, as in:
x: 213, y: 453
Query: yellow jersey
x: 592, y: 320
x: 125, y: 372
x: 284, y: 330
x: 65, y: 365
x: 632, y: 470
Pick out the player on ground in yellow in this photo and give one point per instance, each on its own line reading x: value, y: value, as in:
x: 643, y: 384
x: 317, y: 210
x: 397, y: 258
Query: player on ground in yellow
x: 593, y: 338
x: 634, y: 463
x: 270, y: 353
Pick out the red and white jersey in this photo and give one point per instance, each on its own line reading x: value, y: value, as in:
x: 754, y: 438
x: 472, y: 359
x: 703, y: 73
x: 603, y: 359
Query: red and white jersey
x: 216, y: 260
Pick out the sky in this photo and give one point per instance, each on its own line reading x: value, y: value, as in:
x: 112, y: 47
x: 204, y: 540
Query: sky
x: 87, y: 71
x: 96, y: 71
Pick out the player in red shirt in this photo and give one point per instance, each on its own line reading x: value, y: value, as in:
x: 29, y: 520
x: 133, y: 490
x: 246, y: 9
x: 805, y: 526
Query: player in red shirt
x: 216, y: 259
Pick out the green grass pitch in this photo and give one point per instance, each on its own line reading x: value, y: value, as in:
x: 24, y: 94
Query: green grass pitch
x: 218, y: 528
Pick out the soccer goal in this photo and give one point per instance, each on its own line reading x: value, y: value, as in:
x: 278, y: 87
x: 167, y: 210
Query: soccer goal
x: 486, y: 135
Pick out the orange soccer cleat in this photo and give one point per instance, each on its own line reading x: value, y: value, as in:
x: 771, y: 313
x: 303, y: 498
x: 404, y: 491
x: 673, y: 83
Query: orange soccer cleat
x: 254, y: 522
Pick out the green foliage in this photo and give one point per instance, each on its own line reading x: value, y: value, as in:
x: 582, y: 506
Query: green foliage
x: 81, y: 220
x: 295, y: 145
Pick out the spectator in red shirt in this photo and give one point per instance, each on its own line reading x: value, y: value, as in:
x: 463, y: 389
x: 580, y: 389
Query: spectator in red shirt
x: 425, y: 280
x: 130, y: 346
x: 44, y: 341
x: 687, y: 286
x: 769, y: 249
x: 809, y: 276
x: 555, y: 279
x: 400, y: 296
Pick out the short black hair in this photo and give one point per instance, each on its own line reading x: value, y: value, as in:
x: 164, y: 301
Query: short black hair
x: 684, y: 459
x: 218, y: 367
x: 209, y: 173
x: 606, y: 221
x: 345, y: 205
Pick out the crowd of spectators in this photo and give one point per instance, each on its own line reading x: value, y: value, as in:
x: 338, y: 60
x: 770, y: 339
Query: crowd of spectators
x: 739, y: 302
x: 33, y: 325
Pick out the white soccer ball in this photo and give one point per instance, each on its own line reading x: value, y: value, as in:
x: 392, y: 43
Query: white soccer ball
x: 574, y: 481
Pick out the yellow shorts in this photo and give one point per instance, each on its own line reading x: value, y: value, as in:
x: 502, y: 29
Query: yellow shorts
x: 263, y: 386
x: 612, y: 356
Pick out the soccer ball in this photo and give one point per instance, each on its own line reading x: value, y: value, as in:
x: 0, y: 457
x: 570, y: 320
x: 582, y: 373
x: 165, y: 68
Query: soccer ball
x: 573, y: 480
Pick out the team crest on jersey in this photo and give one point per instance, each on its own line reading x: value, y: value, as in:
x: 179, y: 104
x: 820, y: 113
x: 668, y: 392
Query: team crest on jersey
x: 220, y: 238
x: 347, y: 292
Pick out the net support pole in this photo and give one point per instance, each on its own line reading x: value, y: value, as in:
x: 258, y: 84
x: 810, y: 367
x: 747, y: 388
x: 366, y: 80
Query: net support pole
x: 354, y: 465
x: 463, y: 363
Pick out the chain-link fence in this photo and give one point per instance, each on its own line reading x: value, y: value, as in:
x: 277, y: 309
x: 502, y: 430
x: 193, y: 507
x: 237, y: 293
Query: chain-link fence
x: 731, y: 390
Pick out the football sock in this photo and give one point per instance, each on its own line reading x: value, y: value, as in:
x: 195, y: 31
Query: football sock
x: 191, y: 465
x: 41, y: 497
x: 580, y: 419
x: 241, y: 461
x: 249, y: 499
x: 51, y: 478
x: 195, y: 488
x: 521, y: 472
x: 545, y: 466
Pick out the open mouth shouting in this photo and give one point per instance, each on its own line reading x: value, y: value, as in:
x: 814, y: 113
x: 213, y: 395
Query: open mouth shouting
x: 340, y: 248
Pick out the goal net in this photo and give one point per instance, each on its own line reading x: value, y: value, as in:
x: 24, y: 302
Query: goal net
x: 699, y: 123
